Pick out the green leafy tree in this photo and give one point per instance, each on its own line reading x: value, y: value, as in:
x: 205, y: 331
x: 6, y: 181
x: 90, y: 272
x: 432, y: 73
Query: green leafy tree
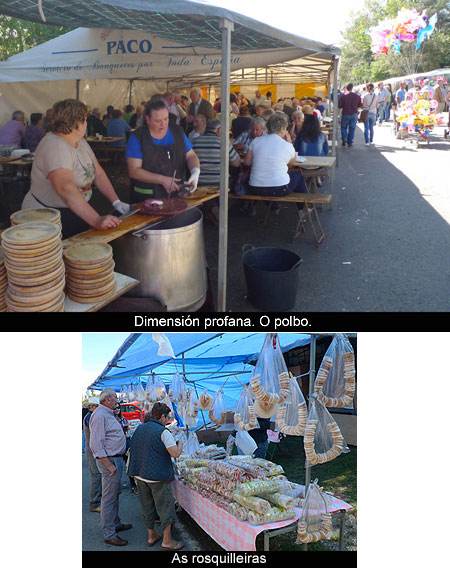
x: 18, y: 35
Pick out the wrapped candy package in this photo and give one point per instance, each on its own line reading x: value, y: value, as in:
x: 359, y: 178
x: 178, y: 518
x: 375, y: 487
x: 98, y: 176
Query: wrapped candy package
x: 241, y: 513
x: 252, y: 503
x: 275, y: 514
x: 260, y: 487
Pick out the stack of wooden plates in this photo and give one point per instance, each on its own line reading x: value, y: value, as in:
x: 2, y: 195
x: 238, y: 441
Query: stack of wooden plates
x: 35, y: 267
x: 3, y: 282
x: 89, y: 272
x: 46, y: 215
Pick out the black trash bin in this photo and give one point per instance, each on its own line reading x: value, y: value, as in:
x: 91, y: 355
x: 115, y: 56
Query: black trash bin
x: 271, y: 275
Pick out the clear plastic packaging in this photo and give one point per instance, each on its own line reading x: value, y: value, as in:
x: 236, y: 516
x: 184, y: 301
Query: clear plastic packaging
x: 335, y: 381
x: 323, y: 439
x: 228, y: 470
x: 270, y: 384
x: 123, y: 395
x: 241, y: 513
x: 292, y: 414
x: 244, y: 416
x: 190, y: 416
x: 275, y: 514
x: 245, y: 442
x: 177, y: 388
x: 205, y: 401
x: 260, y: 487
x: 217, y: 414
x: 252, y: 503
x: 230, y: 443
x: 315, y: 522
x: 253, y: 470
x: 155, y: 390
x: 280, y: 499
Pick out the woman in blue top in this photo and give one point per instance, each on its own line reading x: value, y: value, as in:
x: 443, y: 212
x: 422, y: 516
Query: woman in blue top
x: 310, y: 140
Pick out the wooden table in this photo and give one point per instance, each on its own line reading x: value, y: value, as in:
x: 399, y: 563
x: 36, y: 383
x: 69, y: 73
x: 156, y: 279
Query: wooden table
x: 134, y: 222
x: 105, y: 139
x: 123, y: 284
x: 319, y: 162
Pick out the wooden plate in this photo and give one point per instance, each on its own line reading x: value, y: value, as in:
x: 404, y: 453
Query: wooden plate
x: 60, y: 282
x: 47, y: 215
x: 29, y: 234
x: 41, y: 308
x: 34, y: 299
x: 38, y: 280
x: 30, y: 261
x: 31, y: 252
x: 88, y: 282
x: 28, y: 271
x: 91, y: 299
x: 88, y: 253
x: 101, y: 264
x: 87, y: 274
x: 18, y: 248
x: 87, y: 291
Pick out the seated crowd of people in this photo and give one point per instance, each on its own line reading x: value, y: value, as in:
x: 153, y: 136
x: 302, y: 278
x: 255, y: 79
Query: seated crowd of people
x: 182, y: 140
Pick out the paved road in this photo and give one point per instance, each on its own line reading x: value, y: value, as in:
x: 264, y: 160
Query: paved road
x: 186, y: 530
x: 387, y: 244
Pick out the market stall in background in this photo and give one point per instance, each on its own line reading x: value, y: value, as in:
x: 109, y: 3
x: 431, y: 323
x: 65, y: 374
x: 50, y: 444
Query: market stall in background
x: 217, y: 386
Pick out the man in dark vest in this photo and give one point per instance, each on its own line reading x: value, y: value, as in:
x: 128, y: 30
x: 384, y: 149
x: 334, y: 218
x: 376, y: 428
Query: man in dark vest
x: 157, y: 151
x: 151, y: 449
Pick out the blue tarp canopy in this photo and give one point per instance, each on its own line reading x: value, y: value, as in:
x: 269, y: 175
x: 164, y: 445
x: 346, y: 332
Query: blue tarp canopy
x: 209, y: 359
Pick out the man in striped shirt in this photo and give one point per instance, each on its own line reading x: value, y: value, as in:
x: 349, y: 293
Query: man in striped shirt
x: 207, y: 148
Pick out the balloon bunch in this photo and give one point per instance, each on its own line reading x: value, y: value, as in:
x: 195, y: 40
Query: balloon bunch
x: 418, y: 114
x: 407, y: 26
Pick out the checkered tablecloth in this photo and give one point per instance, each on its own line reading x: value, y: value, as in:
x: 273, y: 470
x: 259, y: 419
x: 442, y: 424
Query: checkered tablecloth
x: 226, y: 530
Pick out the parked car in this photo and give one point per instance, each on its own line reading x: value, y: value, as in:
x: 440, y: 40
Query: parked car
x: 132, y: 411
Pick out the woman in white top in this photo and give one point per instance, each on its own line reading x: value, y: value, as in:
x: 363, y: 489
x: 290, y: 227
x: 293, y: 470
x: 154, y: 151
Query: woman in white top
x: 64, y: 171
x: 270, y: 157
x: 370, y: 103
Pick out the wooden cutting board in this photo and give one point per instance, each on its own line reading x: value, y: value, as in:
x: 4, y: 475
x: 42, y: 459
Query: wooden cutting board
x: 134, y: 222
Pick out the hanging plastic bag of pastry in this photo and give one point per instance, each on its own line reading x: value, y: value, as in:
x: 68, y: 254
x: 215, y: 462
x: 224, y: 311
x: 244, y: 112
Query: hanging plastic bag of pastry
x: 335, y: 380
x: 190, y: 413
x: 244, y: 415
x: 315, y: 522
x: 139, y: 393
x: 177, y: 387
x: 292, y: 413
x: 270, y: 383
x: 205, y: 400
x: 155, y: 389
x: 131, y: 394
x: 323, y: 439
x: 218, y: 413
x: 123, y: 395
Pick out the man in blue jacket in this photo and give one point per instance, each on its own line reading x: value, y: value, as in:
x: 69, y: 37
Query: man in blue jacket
x: 151, y: 449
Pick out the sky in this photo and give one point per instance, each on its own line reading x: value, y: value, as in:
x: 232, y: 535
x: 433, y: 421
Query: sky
x: 98, y: 349
x: 319, y: 23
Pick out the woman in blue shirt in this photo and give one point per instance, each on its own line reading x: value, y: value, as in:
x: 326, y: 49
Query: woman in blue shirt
x: 310, y: 140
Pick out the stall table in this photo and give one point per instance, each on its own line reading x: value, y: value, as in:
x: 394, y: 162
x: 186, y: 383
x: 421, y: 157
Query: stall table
x: 230, y: 533
x: 123, y: 284
x: 322, y: 163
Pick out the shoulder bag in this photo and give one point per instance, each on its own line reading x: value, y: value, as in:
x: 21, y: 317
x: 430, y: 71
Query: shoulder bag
x: 364, y: 114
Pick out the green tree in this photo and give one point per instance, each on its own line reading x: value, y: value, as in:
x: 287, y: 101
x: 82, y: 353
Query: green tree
x: 18, y: 35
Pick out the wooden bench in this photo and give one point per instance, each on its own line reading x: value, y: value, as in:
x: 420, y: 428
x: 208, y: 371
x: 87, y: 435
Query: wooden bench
x: 309, y: 212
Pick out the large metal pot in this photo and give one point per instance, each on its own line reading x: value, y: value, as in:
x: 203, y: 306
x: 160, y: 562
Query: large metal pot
x: 168, y: 260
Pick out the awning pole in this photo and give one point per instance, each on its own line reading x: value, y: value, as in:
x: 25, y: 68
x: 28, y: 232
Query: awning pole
x: 334, y: 151
x: 78, y: 89
x: 227, y: 27
x: 131, y: 89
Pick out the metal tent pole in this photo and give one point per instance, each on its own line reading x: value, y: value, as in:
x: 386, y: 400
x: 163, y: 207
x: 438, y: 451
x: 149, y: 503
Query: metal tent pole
x: 312, y: 376
x: 227, y: 27
x: 77, y: 89
x: 334, y: 151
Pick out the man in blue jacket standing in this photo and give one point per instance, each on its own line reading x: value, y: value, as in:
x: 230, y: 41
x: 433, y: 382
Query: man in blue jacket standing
x: 151, y: 449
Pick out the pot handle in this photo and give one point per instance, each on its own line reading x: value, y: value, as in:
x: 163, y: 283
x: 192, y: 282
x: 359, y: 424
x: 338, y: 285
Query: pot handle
x: 245, y: 249
x: 297, y: 264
